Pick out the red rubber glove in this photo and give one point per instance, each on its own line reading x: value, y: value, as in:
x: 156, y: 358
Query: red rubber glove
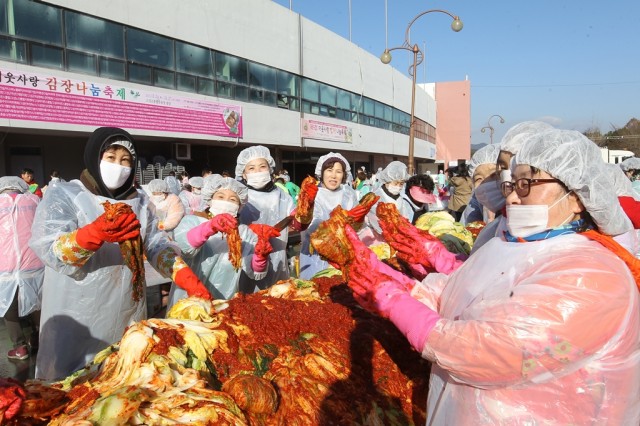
x: 358, y: 213
x: 264, y: 232
x: 11, y: 397
x: 418, y: 247
x: 223, y: 222
x: 306, y: 200
x: 187, y: 280
x: 263, y: 247
x: 366, y: 274
x: 92, y: 236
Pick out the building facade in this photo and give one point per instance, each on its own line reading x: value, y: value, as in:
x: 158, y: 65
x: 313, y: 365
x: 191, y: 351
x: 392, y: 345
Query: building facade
x: 197, y: 81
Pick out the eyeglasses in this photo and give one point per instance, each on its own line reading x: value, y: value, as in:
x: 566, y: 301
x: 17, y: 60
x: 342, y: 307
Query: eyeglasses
x: 522, y: 186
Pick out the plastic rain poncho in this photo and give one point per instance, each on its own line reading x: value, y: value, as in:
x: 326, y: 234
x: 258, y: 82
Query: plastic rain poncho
x: 173, y: 184
x: 211, y: 262
x: 20, y: 268
x: 86, y: 308
x: 269, y: 206
x: 543, y: 332
x: 486, y: 155
x: 192, y: 200
x: 326, y: 201
x: 395, y: 171
x: 170, y: 210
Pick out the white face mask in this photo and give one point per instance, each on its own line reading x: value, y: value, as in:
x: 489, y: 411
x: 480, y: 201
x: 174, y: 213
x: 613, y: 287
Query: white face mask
x: 490, y: 196
x: 526, y: 220
x: 157, y: 199
x: 258, y: 180
x: 394, y: 189
x: 221, y: 206
x: 114, y: 175
x: 195, y: 190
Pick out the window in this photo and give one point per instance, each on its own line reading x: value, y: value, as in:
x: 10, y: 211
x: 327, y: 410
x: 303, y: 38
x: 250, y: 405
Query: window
x: 162, y: 78
x: 187, y: 83
x: 231, y: 68
x: 310, y: 90
x: 149, y: 49
x: 112, y: 68
x: 94, y: 35
x: 225, y: 90
x: 328, y: 95
x: 369, y: 107
x: 13, y: 50
x: 206, y: 86
x: 46, y: 56
x: 192, y: 59
x: 344, y: 99
x: 31, y: 20
x: 262, y: 76
x: 288, y: 84
x: 81, y: 62
x: 139, y: 74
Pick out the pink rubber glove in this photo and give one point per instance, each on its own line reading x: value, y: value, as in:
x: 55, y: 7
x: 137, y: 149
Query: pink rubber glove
x: 259, y: 263
x: 367, y: 273
x: 414, y: 319
x: 220, y: 223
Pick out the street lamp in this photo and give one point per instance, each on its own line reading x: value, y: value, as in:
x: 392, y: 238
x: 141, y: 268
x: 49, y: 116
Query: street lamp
x: 488, y: 126
x: 418, y: 56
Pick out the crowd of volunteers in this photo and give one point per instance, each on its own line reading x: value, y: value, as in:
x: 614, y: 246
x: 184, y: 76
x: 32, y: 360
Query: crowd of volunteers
x: 539, y: 323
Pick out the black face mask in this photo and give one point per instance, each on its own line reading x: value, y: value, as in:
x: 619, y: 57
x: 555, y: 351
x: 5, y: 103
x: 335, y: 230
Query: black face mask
x: 98, y: 142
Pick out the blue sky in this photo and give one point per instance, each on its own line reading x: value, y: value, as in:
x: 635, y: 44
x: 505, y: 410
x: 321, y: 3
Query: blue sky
x: 572, y: 63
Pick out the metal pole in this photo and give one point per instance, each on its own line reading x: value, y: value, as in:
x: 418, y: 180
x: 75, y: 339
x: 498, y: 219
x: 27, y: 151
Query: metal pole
x: 413, y: 108
x: 349, y: 20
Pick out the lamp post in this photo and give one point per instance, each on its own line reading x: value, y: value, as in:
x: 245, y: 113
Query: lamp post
x: 488, y: 126
x: 418, y: 56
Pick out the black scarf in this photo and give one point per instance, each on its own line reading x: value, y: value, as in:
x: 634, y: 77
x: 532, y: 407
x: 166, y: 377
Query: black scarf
x: 91, y: 178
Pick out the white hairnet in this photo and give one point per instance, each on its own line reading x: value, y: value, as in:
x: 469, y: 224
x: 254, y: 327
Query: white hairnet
x: 486, y: 155
x: 253, y: 153
x: 516, y: 135
x: 13, y: 183
x: 196, y: 181
x: 172, y: 184
x: 395, y: 170
x: 215, y: 182
x: 621, y: 183
x: 158, y: 185
x: 576, y: 161
x: 324, y: 158
x: 632, y: 163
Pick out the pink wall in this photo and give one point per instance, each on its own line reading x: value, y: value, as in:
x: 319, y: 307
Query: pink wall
x: 453, y: 120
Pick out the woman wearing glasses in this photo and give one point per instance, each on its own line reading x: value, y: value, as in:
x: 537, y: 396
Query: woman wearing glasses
x: 509, y: 146
x: 538, y: 327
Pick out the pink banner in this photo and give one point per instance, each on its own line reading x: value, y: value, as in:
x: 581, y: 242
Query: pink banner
x: 312, y: 129
x: 52, y: 99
